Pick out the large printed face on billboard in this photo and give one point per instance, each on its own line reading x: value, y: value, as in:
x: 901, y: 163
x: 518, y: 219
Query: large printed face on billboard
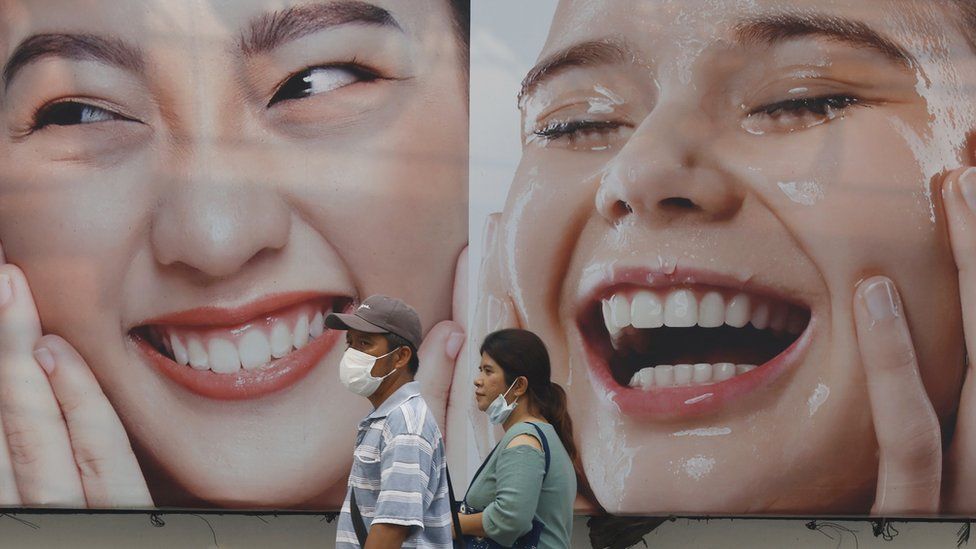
x: 189, y: 186
x: 703, y: 184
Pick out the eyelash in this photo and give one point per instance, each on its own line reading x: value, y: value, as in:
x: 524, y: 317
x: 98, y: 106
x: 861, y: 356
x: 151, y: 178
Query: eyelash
x: 42, y: 118
x: 576, y: 128
x: 820, y: 106
x: 362, y: 73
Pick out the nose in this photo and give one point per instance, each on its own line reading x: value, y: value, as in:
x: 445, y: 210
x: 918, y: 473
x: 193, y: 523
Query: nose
x: 214, y: 218
x: 667, y: 173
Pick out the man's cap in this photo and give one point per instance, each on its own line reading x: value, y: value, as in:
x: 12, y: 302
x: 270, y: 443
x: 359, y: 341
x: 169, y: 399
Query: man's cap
x: 379, y: 314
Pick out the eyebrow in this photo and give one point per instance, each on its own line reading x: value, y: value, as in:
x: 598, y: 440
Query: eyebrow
x: 591, y: 53
x: 72, y: 46
x: 271, y: 30
x: 777, y: 28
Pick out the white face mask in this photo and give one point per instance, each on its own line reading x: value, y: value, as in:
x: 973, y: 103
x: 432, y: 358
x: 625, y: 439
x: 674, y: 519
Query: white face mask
x: 355, y: 371
x: 499, y: 409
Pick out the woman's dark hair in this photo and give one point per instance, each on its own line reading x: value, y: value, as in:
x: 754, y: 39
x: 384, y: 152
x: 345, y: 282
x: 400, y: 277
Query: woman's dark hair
x: 520, y: 353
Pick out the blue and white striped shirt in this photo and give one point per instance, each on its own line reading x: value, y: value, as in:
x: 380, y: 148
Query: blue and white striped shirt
x: 399, y: 473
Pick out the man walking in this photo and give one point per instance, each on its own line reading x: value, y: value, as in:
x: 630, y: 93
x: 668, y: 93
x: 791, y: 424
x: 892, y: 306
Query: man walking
x: 397, y: 492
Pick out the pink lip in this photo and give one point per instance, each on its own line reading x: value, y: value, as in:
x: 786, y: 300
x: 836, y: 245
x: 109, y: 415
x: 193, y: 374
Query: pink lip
x: 675, y: 403
x: 280, y: 374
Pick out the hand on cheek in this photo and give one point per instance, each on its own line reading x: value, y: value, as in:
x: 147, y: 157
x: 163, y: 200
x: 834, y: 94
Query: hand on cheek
x: 494, y: 311
x: 910, y: 478
x: 62, y: 443
x: 959, y: 195
x: 910, y: 459
x: 441, y: 348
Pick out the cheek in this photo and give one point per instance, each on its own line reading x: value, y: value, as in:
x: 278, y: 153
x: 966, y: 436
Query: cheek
x: 551, y: 201
x: 73, y: 231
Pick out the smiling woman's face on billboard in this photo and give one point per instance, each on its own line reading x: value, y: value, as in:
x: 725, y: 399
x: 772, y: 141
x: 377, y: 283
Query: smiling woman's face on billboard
x: 703, y: 184
x: 189, y: 186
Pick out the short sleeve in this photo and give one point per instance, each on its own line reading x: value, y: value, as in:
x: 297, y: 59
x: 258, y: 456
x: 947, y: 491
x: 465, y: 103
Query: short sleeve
x: 406, y: 462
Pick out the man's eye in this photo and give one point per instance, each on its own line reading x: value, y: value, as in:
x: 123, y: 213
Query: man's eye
x: 318, y: 80
x: 72, y: 113
x: 799, y: 113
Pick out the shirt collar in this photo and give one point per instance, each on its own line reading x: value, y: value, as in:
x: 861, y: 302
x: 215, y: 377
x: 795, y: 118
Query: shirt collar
x: 392, y: 402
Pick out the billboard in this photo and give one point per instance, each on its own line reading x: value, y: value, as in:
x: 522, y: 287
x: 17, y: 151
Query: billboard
x: 185, y: 189
x: 742, y: 229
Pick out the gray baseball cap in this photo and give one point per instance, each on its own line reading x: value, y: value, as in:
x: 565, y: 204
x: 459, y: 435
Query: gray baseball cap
x: 379, y: 314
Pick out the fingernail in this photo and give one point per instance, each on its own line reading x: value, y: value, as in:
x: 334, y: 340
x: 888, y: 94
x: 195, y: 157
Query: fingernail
x: 494, y: 313
x: 882, y: 300
x: 454, y: 342
x: 967, y: 184
x: 488, y: 232
x: 44, y: 357
x: 6, y: 289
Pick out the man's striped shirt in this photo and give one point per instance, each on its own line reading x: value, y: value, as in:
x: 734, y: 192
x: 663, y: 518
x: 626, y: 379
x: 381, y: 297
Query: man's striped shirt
x: 399, y: 473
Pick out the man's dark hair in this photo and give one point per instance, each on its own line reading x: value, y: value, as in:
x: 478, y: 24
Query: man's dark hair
x: 394, y: 341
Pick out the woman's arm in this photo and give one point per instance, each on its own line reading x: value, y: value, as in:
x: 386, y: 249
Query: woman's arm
x: 520, y: 469
x: 471, y: 525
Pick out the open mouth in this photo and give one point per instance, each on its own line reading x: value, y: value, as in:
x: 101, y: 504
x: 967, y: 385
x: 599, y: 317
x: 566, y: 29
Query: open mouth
x: 244, y: 352
x: 678, y: 345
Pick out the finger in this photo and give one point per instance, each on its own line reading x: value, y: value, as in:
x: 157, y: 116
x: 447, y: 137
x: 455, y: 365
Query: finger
x: 9, y: 496
x: 959, y: 197
x: 909, y: 440
x: 110, y: 474
x: 461, y: 297
x: 494, y: 311
x: 37, y: 438
x: 437, y: 355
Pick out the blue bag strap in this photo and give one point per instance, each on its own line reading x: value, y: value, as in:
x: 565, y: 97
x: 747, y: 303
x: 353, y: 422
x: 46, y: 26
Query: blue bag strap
x: 545, y: 445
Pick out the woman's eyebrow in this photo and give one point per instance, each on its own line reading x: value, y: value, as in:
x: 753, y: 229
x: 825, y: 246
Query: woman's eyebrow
x: 271, y: 30
x: 777, y: 28
x: 590, y: 53
x: 111, y: 51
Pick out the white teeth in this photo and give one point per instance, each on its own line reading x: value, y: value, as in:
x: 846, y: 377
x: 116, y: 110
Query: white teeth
x: 179, y: 350
x: 760, y: 316
x: 664, y: 375
x: 738, y: 311
x: 223, y: 356
x: 280, y: 340
x: 643, y: 378
x: 317, y: 327
x: 254, y: 350
x: 301, y: 332
x: 685, y: 375
x: 744, y: 369
x: 647, y: 311
x: 711, y: 310
x: 702, y: 373
x: 197, y: 355
x: 723, y: 371
x: 682, y: 374
x: 680, y: 309
x: 608, y: 318
x: 620, y: 311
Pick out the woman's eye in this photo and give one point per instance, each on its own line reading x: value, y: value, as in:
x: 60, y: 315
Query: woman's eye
x: 72, y: 113
x: 593, y: 135
x: 318, y: 80
x: 798, y: 114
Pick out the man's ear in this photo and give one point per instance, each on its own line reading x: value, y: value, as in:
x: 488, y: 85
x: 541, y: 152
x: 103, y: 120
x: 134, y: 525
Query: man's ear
x: 402, y: 355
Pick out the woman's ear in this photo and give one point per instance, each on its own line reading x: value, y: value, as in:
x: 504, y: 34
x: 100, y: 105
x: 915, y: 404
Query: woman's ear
x: 521, y: 386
